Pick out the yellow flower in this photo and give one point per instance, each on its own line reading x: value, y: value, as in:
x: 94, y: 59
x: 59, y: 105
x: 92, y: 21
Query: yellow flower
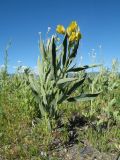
x: 72, y: 31
x: 60, y: 29
x: 78, y: 36
x: 72, y: 37
x: 73, y: 26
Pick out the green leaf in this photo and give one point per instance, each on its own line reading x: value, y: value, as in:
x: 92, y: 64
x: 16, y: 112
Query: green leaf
x: 72, y: 55
x: 62, y: 98
x: 58, y: 61
x: 48, y: 44
x: 47, y: 74
x: 53, y: 52
x: 83, y: 97
x: 64, y: 80
x: 34, y: 85
x: 76, y: 85
x: 42, y: 110
x: 42, y: 49
x: 43, y: 94
x: 64, y: 50
x: 74, y: 51
x: 82, y: 68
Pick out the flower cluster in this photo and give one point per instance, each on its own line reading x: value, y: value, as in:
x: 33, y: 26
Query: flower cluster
x: 72, y: 31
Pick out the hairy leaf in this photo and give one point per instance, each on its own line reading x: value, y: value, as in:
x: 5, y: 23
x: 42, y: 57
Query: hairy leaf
x: 83, y: 97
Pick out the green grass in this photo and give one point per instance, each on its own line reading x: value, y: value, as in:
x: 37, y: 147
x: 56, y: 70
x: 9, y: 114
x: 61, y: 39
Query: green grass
x: 24, y: 136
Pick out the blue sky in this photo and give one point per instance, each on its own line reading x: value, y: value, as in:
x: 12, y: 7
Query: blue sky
x: 21, y: 20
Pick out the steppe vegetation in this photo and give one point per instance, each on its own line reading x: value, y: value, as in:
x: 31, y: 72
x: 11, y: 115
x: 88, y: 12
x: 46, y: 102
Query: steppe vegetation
x: 42, y: 116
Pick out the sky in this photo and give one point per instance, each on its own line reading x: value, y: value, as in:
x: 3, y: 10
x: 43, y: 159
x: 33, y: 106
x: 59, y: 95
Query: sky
x: 22, y: 20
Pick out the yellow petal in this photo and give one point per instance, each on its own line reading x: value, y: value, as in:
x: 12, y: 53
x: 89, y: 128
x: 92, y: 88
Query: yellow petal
x: 60, y: 29
x: 72, y: 37
x: 73, y: 25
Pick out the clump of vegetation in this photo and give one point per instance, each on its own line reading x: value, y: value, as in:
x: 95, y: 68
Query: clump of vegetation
x: 40, y: 115
x: 54, y: 85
